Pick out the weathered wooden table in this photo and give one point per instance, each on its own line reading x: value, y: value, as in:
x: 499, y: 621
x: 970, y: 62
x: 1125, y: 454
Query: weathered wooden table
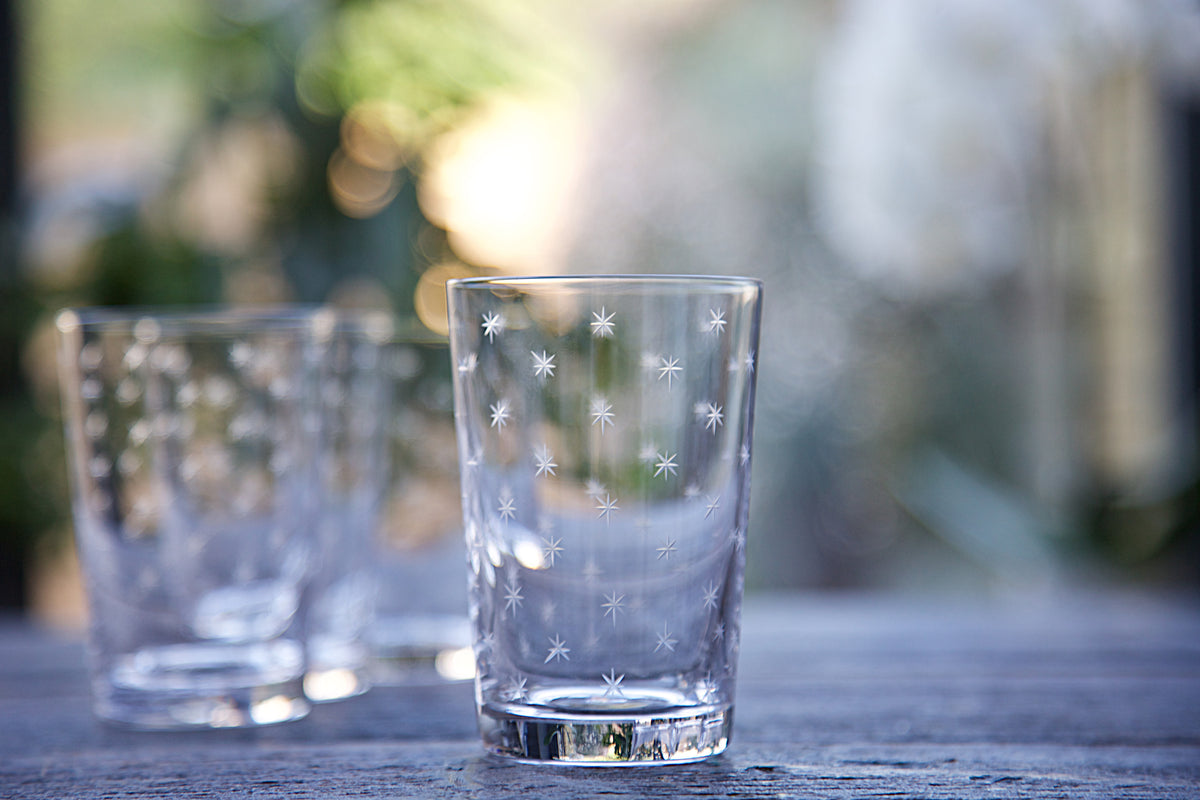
x: 839, y: 696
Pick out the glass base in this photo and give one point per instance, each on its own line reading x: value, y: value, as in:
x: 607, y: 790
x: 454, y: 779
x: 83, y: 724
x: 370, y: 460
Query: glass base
x: 203, y: 686
x: 335, y: 683
x: 664, y: 736
x: 419, y: 649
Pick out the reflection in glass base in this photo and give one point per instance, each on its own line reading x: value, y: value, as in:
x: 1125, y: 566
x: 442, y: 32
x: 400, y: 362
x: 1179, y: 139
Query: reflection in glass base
x: 204, y: 686
x: 541, y: 734
x: 421, y: 649
x: 337, y: 683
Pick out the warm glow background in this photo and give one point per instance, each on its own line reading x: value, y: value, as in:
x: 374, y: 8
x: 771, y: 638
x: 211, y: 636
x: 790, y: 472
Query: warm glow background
x: 977, y: 369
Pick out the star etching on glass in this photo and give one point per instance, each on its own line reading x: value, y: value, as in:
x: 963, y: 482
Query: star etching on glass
x: 713, y: 418
x: 475, y: 458
x: 613, y: 684
x: 507, y: 508
x: 516, y: 690
x: 716, y: 320
x: 558, y: 650
x: 602, y: 324
x: 551, y: 549
x: 664, y: 552
x: 613, y: 605
x: 666, y: 641
x: 594, y: 488
x: 601, y: 413
x: 467, y: 364
x: 500, y: 414
x: 706, y: 689
x: 712, y: 506
x: 605, y: 507
x: 665, y: 466
x: 648, y: 451
x: 669, y: 368
x: 744, y: 455
x: 719, y: 632
x: 544, y: 460
x: 493, y: 324
x: 750, y: 362
x: 711, y: 593
x: 691, y: 491
x: 512, y: 596
x: 543, y: 364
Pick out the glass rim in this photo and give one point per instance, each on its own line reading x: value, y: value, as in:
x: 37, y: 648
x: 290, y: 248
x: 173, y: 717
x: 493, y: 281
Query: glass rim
x: 323, y: 320
x: 690, y: 282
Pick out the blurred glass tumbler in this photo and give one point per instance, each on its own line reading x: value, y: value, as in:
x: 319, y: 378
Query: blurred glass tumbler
x: 604, y: 434
x: 191, y: 446
x: 420, y: 632
x: 352, y: 468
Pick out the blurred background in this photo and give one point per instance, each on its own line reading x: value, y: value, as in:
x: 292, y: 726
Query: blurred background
x: 977, y: 222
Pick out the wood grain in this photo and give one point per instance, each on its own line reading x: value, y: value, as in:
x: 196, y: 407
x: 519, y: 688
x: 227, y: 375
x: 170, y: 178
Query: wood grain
x: 856, y: 696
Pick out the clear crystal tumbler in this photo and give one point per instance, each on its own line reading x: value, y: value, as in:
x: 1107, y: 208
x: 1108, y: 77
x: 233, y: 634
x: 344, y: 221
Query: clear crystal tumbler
x: 191, y: 446
x: 604, y: 434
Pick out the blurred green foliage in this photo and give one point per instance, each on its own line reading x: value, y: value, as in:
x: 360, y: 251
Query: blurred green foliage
x: 230, y: 113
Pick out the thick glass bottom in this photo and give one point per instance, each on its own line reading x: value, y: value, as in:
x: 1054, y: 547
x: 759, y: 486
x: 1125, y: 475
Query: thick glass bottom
x: 204, y: 686
x: 539, y: 734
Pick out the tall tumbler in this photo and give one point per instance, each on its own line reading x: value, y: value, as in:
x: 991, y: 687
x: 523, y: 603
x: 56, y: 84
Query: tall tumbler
x: 420, y: 633
x: 191, y: 441
x: 604, y: 435
x: 353, y: 396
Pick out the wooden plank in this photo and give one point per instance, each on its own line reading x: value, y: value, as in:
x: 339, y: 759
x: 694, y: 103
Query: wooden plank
x: 854, y: 696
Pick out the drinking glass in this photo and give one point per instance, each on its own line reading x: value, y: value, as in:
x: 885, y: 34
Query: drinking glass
x: 191, y: 441
x: 352, y: 470
x: 604, y: 434
x: 420, y: 632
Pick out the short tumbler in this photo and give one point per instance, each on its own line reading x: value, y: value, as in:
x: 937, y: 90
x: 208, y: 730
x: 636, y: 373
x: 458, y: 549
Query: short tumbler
x: 190, y: 442
x: 604, y: 434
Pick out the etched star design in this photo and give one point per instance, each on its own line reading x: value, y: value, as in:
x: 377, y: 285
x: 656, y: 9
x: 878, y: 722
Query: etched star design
x: 602, y: 413
x: 713, y: 417
x: 476, y: 458
x: 665, y: 465
x: 551, y: 548
x: 649, y: 451
x: 666, y: 550
x: 712, y: 506
x: 711, y: 593
x: 613, y: 605
x: 544, y: 460
x: 467, y: 364
x: 500, y: 414
x: 602, y: 324
x: 507, y: 508
x: 594, y: 488
x: 706, y: 690
x: 591, y: 572
x: 512, y: 596
x: 691, y: 491
x: 606, y: 506
x: 744, y: 455
x: 739, y: 538
x: 666, y: 641
x: 716, y: 320
x: 750, y: 362
x: 543, y: 364
x: 613, y: 684
x: 516, y: 690
x: 669, y: 368
x: 719, y: 632
x: 558, y: 650
x: 493, y: 324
